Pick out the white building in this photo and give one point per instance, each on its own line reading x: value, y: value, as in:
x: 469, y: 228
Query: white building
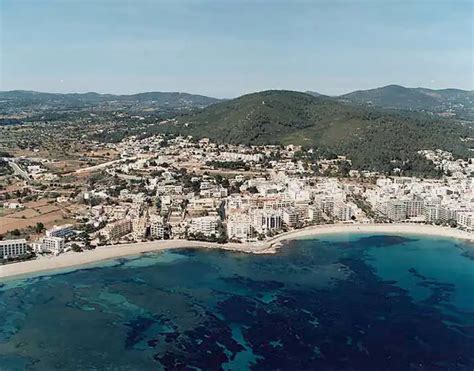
x: 342, y: 211
x: 12, y: 248
x: 60, y: 231
x: 239, y: 227
x: 290, y: 216
x: 157, y: 227
x: 326, y: 204
x: 236, y: 156
x: 54, y: 245
x: 315, y: 213
x: 264, y: 221
x: 431, y: 213
x: 395, y: 210
x: 139, y: 228
x: 13, y: 205
x: 466, y: 219
x: 117, y: 229
x: 414, y: 207
x: 207, y: 225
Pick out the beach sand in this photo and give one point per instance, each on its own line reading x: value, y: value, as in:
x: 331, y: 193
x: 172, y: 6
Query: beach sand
x: 401, y: 228
x: 71, y: 259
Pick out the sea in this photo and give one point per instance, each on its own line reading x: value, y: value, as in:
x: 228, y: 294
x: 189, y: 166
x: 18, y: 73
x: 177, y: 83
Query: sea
x: 335, y: 302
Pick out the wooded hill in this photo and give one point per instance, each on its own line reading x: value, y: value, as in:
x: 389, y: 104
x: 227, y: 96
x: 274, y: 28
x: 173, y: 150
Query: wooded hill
x: 373, y: 139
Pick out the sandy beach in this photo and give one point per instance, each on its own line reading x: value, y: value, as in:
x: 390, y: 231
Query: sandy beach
x: 70, y: 259
x: 402, y: 228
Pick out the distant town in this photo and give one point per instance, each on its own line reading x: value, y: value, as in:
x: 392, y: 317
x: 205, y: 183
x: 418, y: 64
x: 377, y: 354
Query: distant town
x: 167, y: 187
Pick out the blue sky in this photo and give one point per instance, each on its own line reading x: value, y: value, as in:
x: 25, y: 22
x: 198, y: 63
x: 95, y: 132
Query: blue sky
x: 226, y: 48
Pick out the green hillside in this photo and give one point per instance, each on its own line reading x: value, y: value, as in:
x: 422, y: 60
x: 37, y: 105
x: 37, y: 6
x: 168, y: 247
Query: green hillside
x: 394, y: 96
x: 460, y: 102
x: 37, y: 100
x: 373, y: 139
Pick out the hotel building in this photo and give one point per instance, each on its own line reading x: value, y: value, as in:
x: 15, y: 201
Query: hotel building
x: 12, y: 248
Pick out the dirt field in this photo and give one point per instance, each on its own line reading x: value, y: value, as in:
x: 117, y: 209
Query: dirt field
x: 34, y: 212
x: 27, y: 213
x: 13, y: 187
x: 66, y: 166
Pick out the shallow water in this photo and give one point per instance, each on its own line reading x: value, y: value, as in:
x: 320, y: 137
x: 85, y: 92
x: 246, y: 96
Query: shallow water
x: 365, y: 302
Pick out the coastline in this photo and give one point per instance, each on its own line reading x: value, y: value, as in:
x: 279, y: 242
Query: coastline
x: 72, y: 260
x: 108, y: 252
x: 388, y: 228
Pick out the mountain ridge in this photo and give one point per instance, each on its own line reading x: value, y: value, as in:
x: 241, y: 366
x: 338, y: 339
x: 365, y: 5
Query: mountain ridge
x: 374, y: 139
x: 450, y: 100
x: 156, y: 99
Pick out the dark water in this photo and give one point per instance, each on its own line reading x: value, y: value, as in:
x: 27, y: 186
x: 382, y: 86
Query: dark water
x: 349, y: 302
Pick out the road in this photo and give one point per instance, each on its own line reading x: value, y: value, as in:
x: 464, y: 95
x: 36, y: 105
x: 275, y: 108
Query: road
x: 18, y: 170
x: 108, y: 164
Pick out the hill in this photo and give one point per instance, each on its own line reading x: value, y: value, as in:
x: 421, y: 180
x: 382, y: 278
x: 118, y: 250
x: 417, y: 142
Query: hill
x: 415, y: 99
x: 32, y: 100
x: 373, y: 139
x: 316, y: 94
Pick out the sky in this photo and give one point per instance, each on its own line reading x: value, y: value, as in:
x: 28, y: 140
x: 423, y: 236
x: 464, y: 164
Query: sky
x: 226, y: 48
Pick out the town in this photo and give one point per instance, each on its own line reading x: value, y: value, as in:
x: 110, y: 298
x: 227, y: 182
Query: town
x: 237, y: 185
x: 182, y: 188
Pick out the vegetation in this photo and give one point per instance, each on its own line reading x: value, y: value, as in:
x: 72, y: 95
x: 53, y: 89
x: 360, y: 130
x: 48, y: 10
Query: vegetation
x: 28, y: 256
x: 198, y: 236
x: 231, y: 165
x: 76, y: 248
x: 372, y: 139
x: 31, y: 99
x: 399, y: 97
x: 5, y: 168
x: 39, y: 227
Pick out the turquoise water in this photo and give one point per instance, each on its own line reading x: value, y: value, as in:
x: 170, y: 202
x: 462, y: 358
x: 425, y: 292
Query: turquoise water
x: 361, y: 302
x: 438, y: 262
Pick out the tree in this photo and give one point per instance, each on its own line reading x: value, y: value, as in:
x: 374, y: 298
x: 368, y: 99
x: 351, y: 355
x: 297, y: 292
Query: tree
x: 76, y: 248
x: 225, y: 183
x: 252, y: 189
x: 39, y: 227
x: 452, y: 223
x: 158, y: 203
x: 344, y: 168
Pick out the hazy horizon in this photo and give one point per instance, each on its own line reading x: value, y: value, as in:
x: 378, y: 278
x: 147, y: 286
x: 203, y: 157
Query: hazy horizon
x: 229, y: 49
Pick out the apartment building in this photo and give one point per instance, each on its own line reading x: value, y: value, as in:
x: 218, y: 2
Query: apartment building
x: 264, y: 221
x: 60, y: 231
x: 326, y: 204
x: 342, y: 211
x: 12, y: 248
x: 157, y: 228
x: 239, y: 226
x: 115, y: 230
x: 414, y: 207
x: 54, y: 245
x: 290, y: 216
x: 139, y: 228
x: 466, y: 220
x: 315, y: 213
x: 432, y: 213
x: 207, y: 225
x: 396, y: 210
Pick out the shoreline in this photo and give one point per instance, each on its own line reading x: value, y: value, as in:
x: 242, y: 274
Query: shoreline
x: 110, y: 252
x: 72, y: 260
x: 385, y: 228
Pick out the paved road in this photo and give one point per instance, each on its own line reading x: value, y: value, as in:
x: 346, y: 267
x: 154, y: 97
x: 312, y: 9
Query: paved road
x: 18, y: 170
